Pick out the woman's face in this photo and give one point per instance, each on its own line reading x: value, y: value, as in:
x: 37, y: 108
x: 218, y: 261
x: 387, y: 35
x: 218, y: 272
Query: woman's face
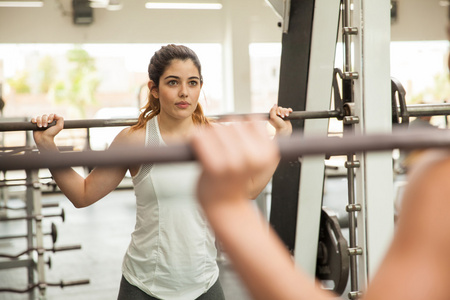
x: 179, y: 89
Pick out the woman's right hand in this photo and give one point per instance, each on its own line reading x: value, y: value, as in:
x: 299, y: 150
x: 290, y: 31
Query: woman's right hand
x: 45, y: 138
x: 231, y: 155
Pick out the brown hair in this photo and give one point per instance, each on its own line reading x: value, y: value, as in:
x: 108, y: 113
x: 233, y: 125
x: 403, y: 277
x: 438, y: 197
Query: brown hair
x: 158, y: 64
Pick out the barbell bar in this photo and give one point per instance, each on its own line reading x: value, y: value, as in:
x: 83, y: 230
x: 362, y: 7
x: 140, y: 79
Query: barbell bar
x: 69, y: 124
x: 291, y: 148
x: 91, y: 123
x: 18, y: 149
x: 413, y: 111
x: 422, y: 110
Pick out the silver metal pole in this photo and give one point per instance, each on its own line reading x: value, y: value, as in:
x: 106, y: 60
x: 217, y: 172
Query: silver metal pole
x: 290, y: 149
x: 90, y: 123
x: 418, y: 110
x: 414, y: 110
x: 346, y: 20
x: 349, y: 130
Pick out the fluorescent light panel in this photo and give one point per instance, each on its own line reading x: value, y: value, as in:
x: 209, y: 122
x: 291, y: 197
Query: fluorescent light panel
x: 184, y: 5
x: 98, y: 4
x: 108, y: 4
x: 21, y: 3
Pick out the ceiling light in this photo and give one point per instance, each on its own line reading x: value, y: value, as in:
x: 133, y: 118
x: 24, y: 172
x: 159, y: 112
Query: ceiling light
x: 20, y: 3
x: 108, y: 4
x: 98, y: 4
x: 182, y: 5
x: 114, y: 5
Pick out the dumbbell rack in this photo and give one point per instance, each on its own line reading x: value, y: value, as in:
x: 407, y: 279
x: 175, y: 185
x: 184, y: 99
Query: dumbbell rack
x: 33, y: 257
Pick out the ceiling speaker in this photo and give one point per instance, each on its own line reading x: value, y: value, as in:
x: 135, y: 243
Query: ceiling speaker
x: 82, y: 12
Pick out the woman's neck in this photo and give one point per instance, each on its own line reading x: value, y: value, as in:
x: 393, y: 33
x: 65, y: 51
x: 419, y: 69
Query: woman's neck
x: 175, y: 129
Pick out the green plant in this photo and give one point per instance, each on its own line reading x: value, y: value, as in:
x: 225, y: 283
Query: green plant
x: 439, y: 92
x: 46, y: 73
x: 81, y: 84
x: 20, y: 83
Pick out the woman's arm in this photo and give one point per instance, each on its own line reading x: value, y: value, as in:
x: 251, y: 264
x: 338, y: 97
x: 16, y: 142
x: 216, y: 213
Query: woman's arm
x: 417, y: 265
x: 80, y: 191
x: 227, y: 154
x: 282, y: 128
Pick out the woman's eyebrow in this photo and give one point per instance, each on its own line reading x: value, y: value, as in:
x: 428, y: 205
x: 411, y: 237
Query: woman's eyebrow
x: 172, y: 76
x: 177, y: 77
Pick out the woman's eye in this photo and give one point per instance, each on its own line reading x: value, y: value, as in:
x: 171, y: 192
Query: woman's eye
x: 193, y: 83
x: 172, y: 82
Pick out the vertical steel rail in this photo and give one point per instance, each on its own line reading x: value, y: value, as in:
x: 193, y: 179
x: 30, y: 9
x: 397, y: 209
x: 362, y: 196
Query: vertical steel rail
x: 352, y: 209
x: 349, y: 129
x: 29, y: 194
x: 35, y: 235
x: 372, y: 98
x: 30, y: 229
x: 39, y: 234
x: 346, y: 22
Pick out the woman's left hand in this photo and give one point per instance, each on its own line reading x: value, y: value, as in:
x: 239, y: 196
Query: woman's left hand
x: 276, y: 114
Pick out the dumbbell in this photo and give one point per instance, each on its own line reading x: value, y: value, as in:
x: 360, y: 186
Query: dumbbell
x: 44, y: 205
x: 35, y: 217
x: 41, y: 250
x: 53, y: 233
x: 43, y: 285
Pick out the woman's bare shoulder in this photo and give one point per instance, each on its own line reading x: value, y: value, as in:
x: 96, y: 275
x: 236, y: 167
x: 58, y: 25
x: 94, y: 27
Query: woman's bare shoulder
x: 129, y: 136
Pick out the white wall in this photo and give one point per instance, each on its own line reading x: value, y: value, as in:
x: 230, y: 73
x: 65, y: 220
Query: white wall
x: 133, y: 24
x: 419, y: 20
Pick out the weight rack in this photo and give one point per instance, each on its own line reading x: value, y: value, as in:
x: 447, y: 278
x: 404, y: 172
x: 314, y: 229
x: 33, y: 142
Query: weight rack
x: 33, y: 257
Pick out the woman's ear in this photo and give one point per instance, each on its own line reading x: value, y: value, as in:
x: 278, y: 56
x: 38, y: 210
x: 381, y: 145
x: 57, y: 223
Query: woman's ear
x: 153, y: 89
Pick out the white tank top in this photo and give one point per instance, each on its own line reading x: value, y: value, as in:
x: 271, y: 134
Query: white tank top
x: 172, y: 254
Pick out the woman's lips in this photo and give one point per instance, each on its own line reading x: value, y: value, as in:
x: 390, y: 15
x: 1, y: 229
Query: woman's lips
x: 182, y: 104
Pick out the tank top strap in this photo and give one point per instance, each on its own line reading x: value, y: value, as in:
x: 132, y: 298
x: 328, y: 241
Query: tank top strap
x: 152, y: 138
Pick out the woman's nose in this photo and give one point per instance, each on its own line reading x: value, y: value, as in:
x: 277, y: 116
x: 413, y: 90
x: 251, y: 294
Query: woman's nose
x: 183, y: 91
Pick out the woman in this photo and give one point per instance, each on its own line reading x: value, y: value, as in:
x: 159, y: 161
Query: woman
x: 172, y: 253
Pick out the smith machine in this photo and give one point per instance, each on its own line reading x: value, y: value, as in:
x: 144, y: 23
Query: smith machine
x: 362, y: 85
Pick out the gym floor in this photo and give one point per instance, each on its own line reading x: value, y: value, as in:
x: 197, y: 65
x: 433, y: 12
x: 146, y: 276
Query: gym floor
x: 103, y: 231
